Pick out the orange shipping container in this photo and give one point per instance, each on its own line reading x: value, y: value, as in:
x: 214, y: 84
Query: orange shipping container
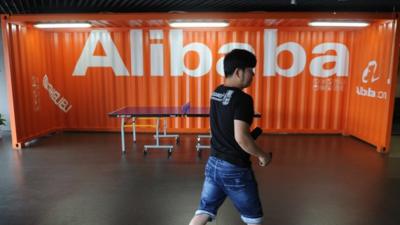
x: 308, y: 80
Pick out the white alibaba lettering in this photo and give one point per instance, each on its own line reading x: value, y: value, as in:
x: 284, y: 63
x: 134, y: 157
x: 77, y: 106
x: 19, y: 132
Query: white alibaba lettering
x: 178, y: 51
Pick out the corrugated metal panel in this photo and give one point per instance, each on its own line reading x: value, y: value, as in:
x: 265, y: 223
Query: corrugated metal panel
x: 370, y: 87
x: 300, y: 102
x: 305, y: 103
x: 32, y: 115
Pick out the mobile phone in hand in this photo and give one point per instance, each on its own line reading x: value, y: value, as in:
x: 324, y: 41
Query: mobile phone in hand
x: 256, y: 132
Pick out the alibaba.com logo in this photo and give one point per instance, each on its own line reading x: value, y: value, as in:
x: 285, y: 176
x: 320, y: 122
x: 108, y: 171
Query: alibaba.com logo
x: 369, y: 76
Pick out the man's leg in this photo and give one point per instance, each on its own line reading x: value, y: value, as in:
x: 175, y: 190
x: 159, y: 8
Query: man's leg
x: 201, y: 219
x: 212, y: 196
x: 211, y: 199
x: 243, y: 192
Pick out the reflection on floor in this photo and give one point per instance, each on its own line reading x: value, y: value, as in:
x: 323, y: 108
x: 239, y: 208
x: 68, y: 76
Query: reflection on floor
x: 81, y: 178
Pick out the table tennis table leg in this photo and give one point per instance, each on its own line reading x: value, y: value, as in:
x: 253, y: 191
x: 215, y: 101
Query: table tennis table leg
x: 157, y: 137
x: 123, y: 134
x: 165, y: 126
x: 157, y: 130
x: 199, y: 146
x: 166, y: 135
x: 134, y: 129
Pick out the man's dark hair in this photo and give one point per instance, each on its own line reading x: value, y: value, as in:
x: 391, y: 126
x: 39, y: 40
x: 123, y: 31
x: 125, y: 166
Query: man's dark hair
x: 238, y: 58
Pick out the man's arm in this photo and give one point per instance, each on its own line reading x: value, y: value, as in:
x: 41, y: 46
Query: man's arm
x: 247, y: 143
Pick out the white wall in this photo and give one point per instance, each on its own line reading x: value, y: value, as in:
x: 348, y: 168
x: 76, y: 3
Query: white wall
x: 3, y: 89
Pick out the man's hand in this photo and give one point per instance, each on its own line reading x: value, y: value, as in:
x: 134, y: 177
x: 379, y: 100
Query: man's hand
x: 265, y: 159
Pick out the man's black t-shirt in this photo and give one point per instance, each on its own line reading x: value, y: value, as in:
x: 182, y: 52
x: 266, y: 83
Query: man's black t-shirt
x: 229, y: 104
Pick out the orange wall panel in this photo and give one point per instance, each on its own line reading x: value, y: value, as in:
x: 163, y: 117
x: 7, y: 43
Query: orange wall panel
x: 370, y: 84
x: 305, y: 78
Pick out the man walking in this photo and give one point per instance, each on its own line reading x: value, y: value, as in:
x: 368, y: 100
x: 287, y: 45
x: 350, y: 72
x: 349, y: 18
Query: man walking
x: 228, y: 172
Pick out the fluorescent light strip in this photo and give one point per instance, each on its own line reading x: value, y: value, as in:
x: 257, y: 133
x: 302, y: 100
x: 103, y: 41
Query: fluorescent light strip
x: 337, y: 24
x: 62, y: 25
x: 199, y: 24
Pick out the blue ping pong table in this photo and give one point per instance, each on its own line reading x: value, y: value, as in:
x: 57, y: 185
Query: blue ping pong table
x: 158, y: 113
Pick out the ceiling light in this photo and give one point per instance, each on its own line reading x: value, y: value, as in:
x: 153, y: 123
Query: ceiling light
x: 199, y: 24
x: 337, y: 24
x: 62, y: 25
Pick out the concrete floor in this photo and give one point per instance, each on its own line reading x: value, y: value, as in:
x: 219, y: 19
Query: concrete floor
x: 395, y: 146
x: 81, y: 178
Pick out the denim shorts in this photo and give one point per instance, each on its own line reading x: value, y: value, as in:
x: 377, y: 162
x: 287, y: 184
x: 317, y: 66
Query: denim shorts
x: 224, y: 179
